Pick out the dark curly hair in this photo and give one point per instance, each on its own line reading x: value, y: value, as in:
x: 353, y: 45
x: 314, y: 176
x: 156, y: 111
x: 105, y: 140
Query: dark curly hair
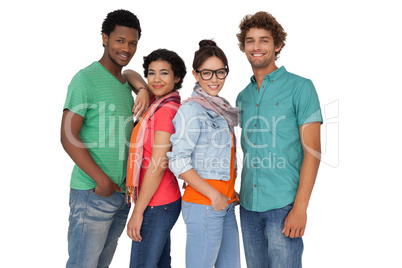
x: 208, y: 48
x: 262, y: 20
x: 120, y: 17
x: 176, y: 63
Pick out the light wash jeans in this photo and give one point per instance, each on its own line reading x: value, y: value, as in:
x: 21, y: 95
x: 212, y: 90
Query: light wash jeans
x: 96, y: 224
x: 264, y: 244
x: 212, y: 236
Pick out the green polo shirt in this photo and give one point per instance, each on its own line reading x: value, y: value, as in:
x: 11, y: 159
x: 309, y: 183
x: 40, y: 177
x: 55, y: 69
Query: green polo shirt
x: 273, y: 154
x: 106, y: 105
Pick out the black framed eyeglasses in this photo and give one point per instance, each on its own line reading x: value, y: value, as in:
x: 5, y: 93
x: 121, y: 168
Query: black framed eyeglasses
x: 207, y: 74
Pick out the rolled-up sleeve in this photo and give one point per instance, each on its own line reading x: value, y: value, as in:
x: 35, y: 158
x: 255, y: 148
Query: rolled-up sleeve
x: 306, y: 104
x: 187, y: 131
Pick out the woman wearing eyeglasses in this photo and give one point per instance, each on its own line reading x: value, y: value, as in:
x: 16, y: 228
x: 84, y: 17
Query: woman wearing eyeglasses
x: 203, y: 155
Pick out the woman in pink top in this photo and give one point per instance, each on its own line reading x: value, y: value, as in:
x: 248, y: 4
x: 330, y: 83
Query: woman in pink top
x: 150, y: 183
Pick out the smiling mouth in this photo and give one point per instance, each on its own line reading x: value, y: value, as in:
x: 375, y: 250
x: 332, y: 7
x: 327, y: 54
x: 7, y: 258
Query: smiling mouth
x: 157, y: 86
x: 257, y: 54
x: 124, y: 57
x: 214, y: 87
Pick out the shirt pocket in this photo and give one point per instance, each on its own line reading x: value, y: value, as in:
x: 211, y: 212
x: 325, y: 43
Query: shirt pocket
x: 277, y: 116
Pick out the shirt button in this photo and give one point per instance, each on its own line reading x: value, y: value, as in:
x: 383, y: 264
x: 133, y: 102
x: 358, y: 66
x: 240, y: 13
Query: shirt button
x: 255, y: 185
x: 272, y: 80
x: 253, y: 165
x: 255, y: 125
x: 256, y: 104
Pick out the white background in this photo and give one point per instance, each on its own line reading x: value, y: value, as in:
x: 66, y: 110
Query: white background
x: 350, y: 49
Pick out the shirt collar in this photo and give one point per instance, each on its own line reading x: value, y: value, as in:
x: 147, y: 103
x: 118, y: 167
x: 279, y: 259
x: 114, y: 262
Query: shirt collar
x: 272, y: 76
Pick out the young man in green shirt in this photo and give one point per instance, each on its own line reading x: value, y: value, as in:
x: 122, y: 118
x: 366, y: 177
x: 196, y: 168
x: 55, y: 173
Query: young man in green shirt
x: 280, y: 121
x: 95, y: 132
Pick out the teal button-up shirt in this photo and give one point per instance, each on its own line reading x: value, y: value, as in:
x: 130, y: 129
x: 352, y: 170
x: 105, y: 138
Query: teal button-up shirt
x: 270, y: 139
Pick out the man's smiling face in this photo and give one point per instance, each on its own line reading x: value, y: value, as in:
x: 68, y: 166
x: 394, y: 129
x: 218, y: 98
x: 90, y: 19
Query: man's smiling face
x: 260, y: 48
x: 121, y: 44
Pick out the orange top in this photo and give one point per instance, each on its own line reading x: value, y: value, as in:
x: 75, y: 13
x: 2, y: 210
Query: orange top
x: 224, y: 187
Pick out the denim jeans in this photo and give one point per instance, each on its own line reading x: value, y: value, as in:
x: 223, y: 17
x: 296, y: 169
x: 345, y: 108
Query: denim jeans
x: 264, y: 243
x: 154, y: 249
x: 212, y: 236
x: 95, y: 225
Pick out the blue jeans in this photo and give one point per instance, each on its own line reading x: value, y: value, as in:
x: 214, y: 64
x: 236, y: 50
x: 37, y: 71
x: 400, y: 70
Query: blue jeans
x: 154, y: 249
x: 96, y: 224
x: 212, y: 236
x: 264, y: 243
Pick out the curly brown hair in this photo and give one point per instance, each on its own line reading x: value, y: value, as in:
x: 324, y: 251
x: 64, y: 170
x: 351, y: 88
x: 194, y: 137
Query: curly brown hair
x: 265, y: 21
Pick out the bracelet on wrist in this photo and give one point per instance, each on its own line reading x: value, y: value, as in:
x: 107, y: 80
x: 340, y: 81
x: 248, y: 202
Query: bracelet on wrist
x: 144, y: 88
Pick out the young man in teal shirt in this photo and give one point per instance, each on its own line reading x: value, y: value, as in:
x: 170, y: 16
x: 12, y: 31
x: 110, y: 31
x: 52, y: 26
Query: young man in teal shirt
x: 96, y: 126
x: 280, y: 121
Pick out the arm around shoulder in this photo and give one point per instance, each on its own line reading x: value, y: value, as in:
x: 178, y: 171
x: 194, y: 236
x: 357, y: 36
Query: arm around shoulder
x: 135, y: 80
x: 140, y: 88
